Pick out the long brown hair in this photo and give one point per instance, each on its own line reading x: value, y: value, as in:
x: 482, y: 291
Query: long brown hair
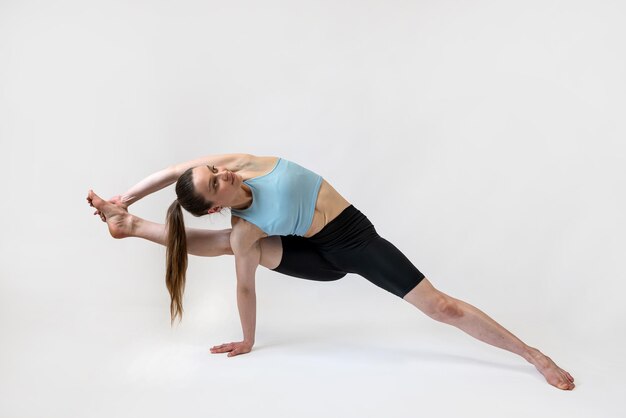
x: 176, y: 253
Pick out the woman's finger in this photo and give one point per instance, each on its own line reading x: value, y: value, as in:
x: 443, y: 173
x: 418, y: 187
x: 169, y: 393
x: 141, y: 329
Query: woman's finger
x: 222, y: 348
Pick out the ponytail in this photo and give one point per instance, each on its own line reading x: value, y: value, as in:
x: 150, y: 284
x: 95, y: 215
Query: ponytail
x: 176, y: 259
x: 176, y: 254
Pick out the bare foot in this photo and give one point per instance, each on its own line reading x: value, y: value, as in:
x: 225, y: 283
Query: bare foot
x: 554, y: 374
x: 119, y: 221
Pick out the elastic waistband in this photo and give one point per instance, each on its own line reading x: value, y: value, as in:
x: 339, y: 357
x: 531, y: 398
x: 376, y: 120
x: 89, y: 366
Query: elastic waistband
x: 349, y: 229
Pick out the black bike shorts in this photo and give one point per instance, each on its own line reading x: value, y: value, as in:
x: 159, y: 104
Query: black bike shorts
x: 349, y: 244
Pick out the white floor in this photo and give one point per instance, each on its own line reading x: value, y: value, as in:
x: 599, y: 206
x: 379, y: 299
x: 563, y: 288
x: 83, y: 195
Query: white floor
x: 127, y: 363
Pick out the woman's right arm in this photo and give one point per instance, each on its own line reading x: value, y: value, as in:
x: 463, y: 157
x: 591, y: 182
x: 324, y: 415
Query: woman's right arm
x: 163, y: 178
x: 244, y: 240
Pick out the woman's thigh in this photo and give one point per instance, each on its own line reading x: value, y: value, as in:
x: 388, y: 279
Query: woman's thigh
x: 380, y: 262
x: 299, y: 258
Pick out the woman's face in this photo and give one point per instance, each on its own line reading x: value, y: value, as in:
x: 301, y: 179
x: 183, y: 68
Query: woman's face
x: 217, y: 185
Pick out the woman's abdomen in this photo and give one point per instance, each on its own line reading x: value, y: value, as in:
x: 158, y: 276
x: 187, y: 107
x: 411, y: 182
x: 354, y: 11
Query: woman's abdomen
x: 328, y: 206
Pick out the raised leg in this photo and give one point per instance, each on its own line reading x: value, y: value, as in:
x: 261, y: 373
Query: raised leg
x: 200, y: 242
x: 476, y: 323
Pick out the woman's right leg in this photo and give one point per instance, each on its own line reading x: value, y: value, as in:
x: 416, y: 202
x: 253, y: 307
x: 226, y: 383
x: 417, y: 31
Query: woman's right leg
x: 200, y: 242
x: 206, y: 242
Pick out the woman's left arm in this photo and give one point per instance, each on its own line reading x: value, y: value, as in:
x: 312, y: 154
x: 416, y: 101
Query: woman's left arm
x: 246, y: 247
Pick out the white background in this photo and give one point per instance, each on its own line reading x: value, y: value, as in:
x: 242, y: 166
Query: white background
x: 485, y: 139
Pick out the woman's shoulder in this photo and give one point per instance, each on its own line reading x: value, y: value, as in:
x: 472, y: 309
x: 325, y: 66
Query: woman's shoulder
x: 244, y: 233
x: 254, y: 165
x: 244, y: 161
x: 259, y: 161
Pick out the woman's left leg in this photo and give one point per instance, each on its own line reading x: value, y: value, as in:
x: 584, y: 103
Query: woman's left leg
x: 479, y: 325
x: 387, y: 267
x: 352, y: 244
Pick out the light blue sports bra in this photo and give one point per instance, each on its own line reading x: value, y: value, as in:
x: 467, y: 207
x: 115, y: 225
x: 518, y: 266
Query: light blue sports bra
x: 283, y: 200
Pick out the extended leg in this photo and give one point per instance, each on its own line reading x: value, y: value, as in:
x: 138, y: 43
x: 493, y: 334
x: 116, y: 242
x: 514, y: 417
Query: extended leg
x: 476, y: 323
x: 384, y: 265
x: 200, y: 242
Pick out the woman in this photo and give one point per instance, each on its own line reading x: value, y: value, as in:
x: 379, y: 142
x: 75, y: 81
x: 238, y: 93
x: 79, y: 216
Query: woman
x: 289, y: 219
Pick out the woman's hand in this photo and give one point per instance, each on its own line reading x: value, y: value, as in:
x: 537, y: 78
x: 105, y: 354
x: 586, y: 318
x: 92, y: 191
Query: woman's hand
x: 117, y: 200
x: 233, y: 349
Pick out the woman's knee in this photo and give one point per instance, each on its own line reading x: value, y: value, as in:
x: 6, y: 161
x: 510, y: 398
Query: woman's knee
x: 446, y: 308
x: 271, y: 252
x: 434, y: 303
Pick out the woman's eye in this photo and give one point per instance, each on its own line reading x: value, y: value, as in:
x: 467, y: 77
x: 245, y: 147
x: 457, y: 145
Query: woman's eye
x: 215, y: 184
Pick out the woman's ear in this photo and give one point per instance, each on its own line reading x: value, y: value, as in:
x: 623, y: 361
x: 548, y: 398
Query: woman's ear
x: 214, y: 209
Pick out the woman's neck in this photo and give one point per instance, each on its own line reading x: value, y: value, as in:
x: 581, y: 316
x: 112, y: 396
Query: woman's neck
x: 243, y: 199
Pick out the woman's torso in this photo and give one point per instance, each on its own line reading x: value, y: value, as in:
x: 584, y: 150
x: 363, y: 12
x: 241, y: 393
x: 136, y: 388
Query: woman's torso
x: 329, y: 203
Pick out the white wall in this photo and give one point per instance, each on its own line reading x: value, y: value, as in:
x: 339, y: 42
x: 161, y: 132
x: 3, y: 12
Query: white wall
x: 485, y: 139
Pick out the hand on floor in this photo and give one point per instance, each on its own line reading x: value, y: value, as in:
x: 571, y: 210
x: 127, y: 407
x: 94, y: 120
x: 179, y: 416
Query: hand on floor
x: 233, y: 349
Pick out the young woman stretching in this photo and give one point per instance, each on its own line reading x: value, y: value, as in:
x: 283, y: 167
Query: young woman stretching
x: 290, y: 220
